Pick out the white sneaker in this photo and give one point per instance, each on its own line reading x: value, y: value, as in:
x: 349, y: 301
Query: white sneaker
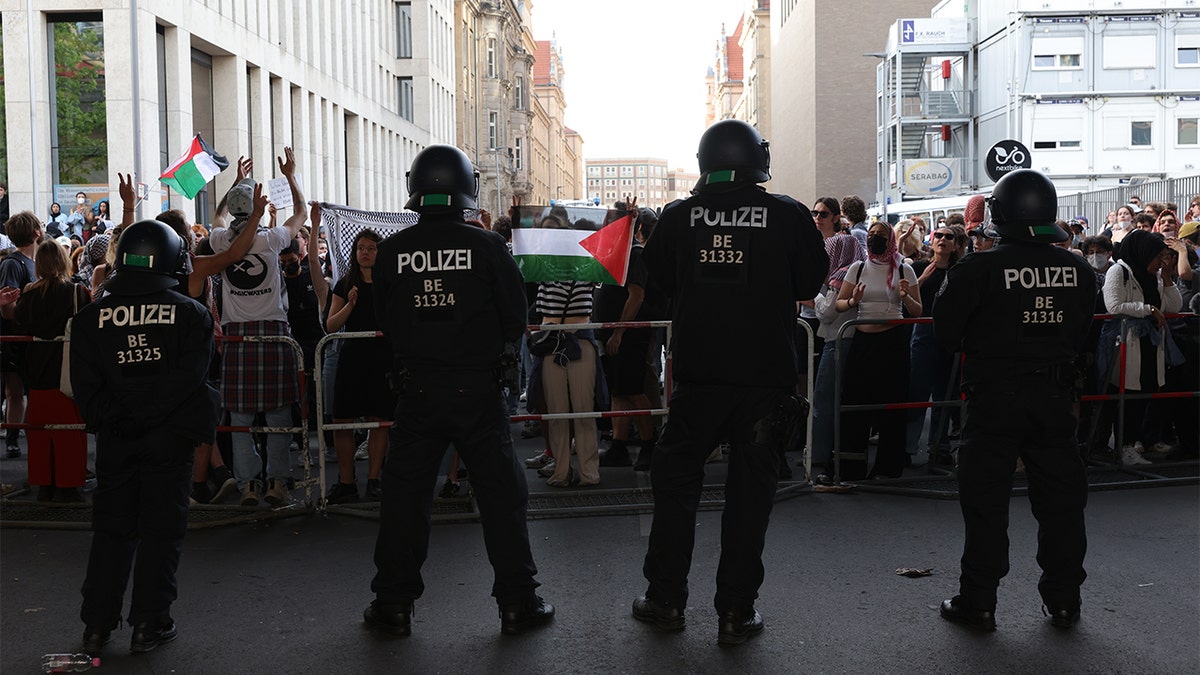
x: 362, y: 452
x: 1131, y: 457
x: 547, y: 470
x: 1139, y: 448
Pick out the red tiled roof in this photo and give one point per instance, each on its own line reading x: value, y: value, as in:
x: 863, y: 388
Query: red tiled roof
x: 733, y: 57
x: 541, y: 63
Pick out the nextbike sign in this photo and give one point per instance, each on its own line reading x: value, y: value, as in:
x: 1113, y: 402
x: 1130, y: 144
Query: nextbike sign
x: 933, y: 31
x: 932, y: 176
x: 1006, y: 157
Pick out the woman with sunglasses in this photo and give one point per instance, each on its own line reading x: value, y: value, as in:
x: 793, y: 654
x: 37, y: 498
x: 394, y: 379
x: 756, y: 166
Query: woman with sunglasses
x: 881, y: 288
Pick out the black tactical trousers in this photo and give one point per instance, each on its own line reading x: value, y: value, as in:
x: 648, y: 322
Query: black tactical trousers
x: 435, y: 410
x: 140, y: 507
x: 1030, y: 418
x: 701, y: 417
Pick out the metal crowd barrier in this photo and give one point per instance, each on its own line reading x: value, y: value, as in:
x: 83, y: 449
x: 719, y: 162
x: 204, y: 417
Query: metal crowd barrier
x: 78, y: 516
x: 1120, y: 398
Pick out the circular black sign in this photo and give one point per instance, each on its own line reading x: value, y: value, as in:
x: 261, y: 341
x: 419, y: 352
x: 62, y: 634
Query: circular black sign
x: 1006, y: 157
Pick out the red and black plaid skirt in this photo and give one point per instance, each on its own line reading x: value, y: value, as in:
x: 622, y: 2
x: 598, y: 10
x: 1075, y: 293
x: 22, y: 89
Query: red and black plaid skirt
x: 259, y: 375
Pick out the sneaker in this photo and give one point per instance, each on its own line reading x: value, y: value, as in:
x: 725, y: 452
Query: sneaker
x: 200, y: 494
x: 616, y: 455
x: 330, y: 456
x: 374, y: 491
x: 14, y: 450
x: 342, y: 493
x: 547, y: 469
x: 250, y: 492
x: 717, y: 455
x: 226, y: 484
x: 45, y: 493
x: 539, y: 460
x: 278, y: 493
x: 1131, y: 457
x: 531, y: 430
x: 148, y: 635
x: 362, y: 452
x: 449, y: 490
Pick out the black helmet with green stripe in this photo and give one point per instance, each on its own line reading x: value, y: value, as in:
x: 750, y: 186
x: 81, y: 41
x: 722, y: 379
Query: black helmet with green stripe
x: 148, y: 256
x: 442, y: 179
x: 732, y: 151
x: 1024, y: 206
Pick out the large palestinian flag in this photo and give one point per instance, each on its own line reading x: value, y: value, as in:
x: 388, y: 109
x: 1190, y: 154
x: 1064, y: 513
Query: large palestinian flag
x: 570, y: 244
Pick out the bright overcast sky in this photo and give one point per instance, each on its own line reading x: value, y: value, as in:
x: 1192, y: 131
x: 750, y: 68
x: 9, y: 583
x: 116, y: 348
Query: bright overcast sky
x: 635, y: 71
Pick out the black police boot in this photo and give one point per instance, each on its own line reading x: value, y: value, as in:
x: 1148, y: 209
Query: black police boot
x: 616, y: 455
x: 150, y: 634
x: 738, y: 625
x: 394, y: 621
x: 979, y: 619
x: 664, y: 617
x: 515, y: 619
x: 94, y: 640
x: 1062, y: 617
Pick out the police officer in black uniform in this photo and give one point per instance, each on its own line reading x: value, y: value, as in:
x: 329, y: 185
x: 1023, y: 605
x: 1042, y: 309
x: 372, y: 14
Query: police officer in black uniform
x: 139, y: 367
x: 450, y: 298
x: 735, y: 260
x: 1020, y: 313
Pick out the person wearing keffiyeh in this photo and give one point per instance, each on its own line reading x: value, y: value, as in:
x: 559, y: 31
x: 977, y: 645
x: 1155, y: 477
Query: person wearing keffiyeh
x: 843, y: 250
x: 877, y: 363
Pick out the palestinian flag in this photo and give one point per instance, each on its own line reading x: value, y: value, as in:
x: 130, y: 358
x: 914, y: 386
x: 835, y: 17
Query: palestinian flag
x: 570, y: 245
x: 191, y: 172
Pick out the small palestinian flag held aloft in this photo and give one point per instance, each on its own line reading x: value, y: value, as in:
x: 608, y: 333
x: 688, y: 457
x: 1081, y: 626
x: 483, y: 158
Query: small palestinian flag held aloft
x: 557, y: 243
x: 192, y: 171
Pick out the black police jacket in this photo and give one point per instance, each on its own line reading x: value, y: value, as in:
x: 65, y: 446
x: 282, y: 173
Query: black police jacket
x: 1015, y: 308
x: 448, y: 295
x: 734, y: 264
x: 140, y: 362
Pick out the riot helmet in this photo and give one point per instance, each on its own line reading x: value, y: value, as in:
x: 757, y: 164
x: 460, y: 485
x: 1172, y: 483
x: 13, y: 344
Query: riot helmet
x: 148, y: 255
x: 1024, y: 206
x: 441, y: 178
x: 733, y: 151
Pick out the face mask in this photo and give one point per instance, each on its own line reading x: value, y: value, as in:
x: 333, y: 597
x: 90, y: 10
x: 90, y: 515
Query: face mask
x: 1097, y: 260
x: 80, y: 200
x: 877, y: 244
x: 291, y: 269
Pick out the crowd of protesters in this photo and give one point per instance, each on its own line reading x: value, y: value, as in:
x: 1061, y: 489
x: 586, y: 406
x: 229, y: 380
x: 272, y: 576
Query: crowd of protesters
x: 1144, y: 257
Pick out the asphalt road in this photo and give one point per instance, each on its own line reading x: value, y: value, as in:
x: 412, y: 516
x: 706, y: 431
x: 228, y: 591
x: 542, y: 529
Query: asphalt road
x: 287, y: 596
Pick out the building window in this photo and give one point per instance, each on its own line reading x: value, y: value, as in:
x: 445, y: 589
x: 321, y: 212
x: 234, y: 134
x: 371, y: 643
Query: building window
x: 493, y: 122
x: 491, y: 57
x: 610, y: 171
x: 1185, y: 132
x: 1065, y: 53
x: 79, y: 115
x: 404, y: 86
x: 404, y: 30
x: 1139, y: 136
x: 516, y: 155
x: 1187, y: 51
x: 641, y: 170
x: 519, y: 87
x: 593, y: 171
x: 1130, y: 51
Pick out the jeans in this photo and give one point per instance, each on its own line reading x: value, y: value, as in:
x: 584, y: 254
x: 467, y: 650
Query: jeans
x: 247, y: 463
x: 823, y: 421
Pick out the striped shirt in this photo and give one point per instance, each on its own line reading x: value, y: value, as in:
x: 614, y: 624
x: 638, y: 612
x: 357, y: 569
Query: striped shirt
x: 556, y: 299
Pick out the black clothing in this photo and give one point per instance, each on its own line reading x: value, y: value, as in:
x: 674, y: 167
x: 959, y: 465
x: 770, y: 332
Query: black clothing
x: 138, y: 370
x: 734, y: 264
x: 448, y: 297
x: 43, y: 313
x: 360, y: 386
x: 1020, y: 313
x: 462, y: 324
x: 625, y: 371
x: 304, y: 314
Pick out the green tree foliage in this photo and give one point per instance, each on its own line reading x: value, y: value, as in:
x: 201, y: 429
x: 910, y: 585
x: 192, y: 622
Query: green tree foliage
x: 79, y: 97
